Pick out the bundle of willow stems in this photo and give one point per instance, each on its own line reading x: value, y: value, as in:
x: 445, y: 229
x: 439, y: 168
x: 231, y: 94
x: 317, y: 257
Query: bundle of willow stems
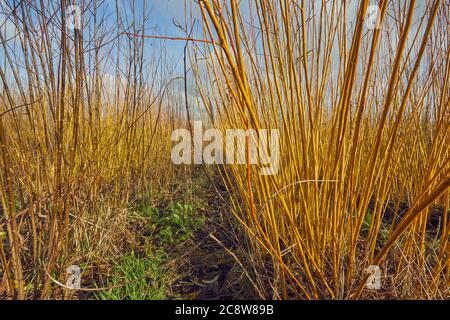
x: 363, y: 115
x: 85, y: 129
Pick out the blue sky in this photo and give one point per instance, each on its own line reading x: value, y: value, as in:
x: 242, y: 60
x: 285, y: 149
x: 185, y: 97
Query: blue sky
x: 161, y: 16
x: 162, y: 13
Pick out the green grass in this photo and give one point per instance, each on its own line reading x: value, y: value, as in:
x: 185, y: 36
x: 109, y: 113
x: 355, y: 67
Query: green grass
x: 144, y: 276
x: 138, y: 278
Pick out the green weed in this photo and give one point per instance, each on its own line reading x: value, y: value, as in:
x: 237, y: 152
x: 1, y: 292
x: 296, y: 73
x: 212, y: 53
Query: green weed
x: 177, y: 223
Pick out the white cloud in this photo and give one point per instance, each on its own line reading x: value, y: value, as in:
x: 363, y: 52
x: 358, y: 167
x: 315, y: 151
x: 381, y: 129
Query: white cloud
x: 7, y: 27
